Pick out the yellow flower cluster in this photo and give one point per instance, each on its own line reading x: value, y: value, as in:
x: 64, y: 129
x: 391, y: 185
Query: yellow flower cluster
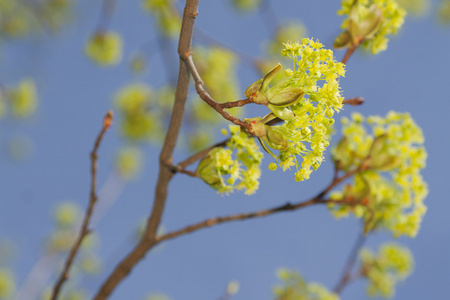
x: 315, y: 73
x: 389, y: 190
x: 235, y: 167
x: 23, y: 99
x: 359, y: 12
x: 104, y: 48
x: 19, y: 18
x: 296, y: 288
x: 385, y: 269
x: 138, y: 121
x: 246, y: 5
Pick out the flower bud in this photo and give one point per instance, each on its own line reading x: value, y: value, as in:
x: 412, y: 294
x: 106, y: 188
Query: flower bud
x: 286, y: 97
x: 379, y: 157
x: 344, y: 39
x: 283, y: 113
x: 275, y: 139
x: 253, y: 88
x: 364, y: 22
x: 207, y: 171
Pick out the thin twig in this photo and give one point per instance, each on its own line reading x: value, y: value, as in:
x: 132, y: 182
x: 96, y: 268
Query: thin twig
x: 165, y: 172
x: 349, y: 53
x: 354, y: 101
x: 319, y: 199
x: 347, y: 277
x: 84, y: 231
x: 199, y: 155
x: 203, y: 94
x: 233, y: 104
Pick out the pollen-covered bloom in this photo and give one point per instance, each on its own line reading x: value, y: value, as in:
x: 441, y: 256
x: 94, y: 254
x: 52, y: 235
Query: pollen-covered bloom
x: 389, y: 190
x: 235, y: 167
x: 306, y: 98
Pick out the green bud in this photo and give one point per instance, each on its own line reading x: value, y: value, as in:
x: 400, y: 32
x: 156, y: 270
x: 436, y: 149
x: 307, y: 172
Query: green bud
x: 207, y: 171
x: 253, y: 88
x: 267, y: 118
x: 379, y: 157
x: 256, y: 91
x: 343, y: 40
x: 257, y: 127
x: 275, y: 139
x: 269, y: 76
x: 364, y: 23
x: 286, y: 97
x: 267, y: 149
x: 283, y: 113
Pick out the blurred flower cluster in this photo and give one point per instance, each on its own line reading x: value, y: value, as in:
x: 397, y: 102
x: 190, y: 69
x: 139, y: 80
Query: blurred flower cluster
x: 383, y: 270
x: 369, y: 23
x: 389, y: 190
x: 23, y: 18
x: 104, y: 48
x: 294, y: 287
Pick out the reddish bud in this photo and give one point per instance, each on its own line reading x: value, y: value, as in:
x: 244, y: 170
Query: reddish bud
x: 107, y: 121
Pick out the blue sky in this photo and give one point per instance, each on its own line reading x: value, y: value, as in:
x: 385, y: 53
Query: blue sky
x: 412, y: 75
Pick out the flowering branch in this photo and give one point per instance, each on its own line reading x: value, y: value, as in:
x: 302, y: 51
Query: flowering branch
x: 84, y: 231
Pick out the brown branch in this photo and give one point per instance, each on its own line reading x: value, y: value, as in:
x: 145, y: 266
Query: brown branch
x: 349, y: 53
x: 347, y: 277
x: 237, y: 103
x: 148, y: 239
x: 319, y: 199
x: 199, y: 155
x: 84, y: 231
x: 354, y: 101
x: 203, y: 94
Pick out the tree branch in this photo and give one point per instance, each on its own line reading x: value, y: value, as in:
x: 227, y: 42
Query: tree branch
x: 84, y: 231
x: 199, y: 155
x: 237, y: 103
x: 319, y: 199
x: 203, y: 94
x: 349, y: 53
x: 347, y: 277
x: 165, y: 172
x: 354, y: 101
